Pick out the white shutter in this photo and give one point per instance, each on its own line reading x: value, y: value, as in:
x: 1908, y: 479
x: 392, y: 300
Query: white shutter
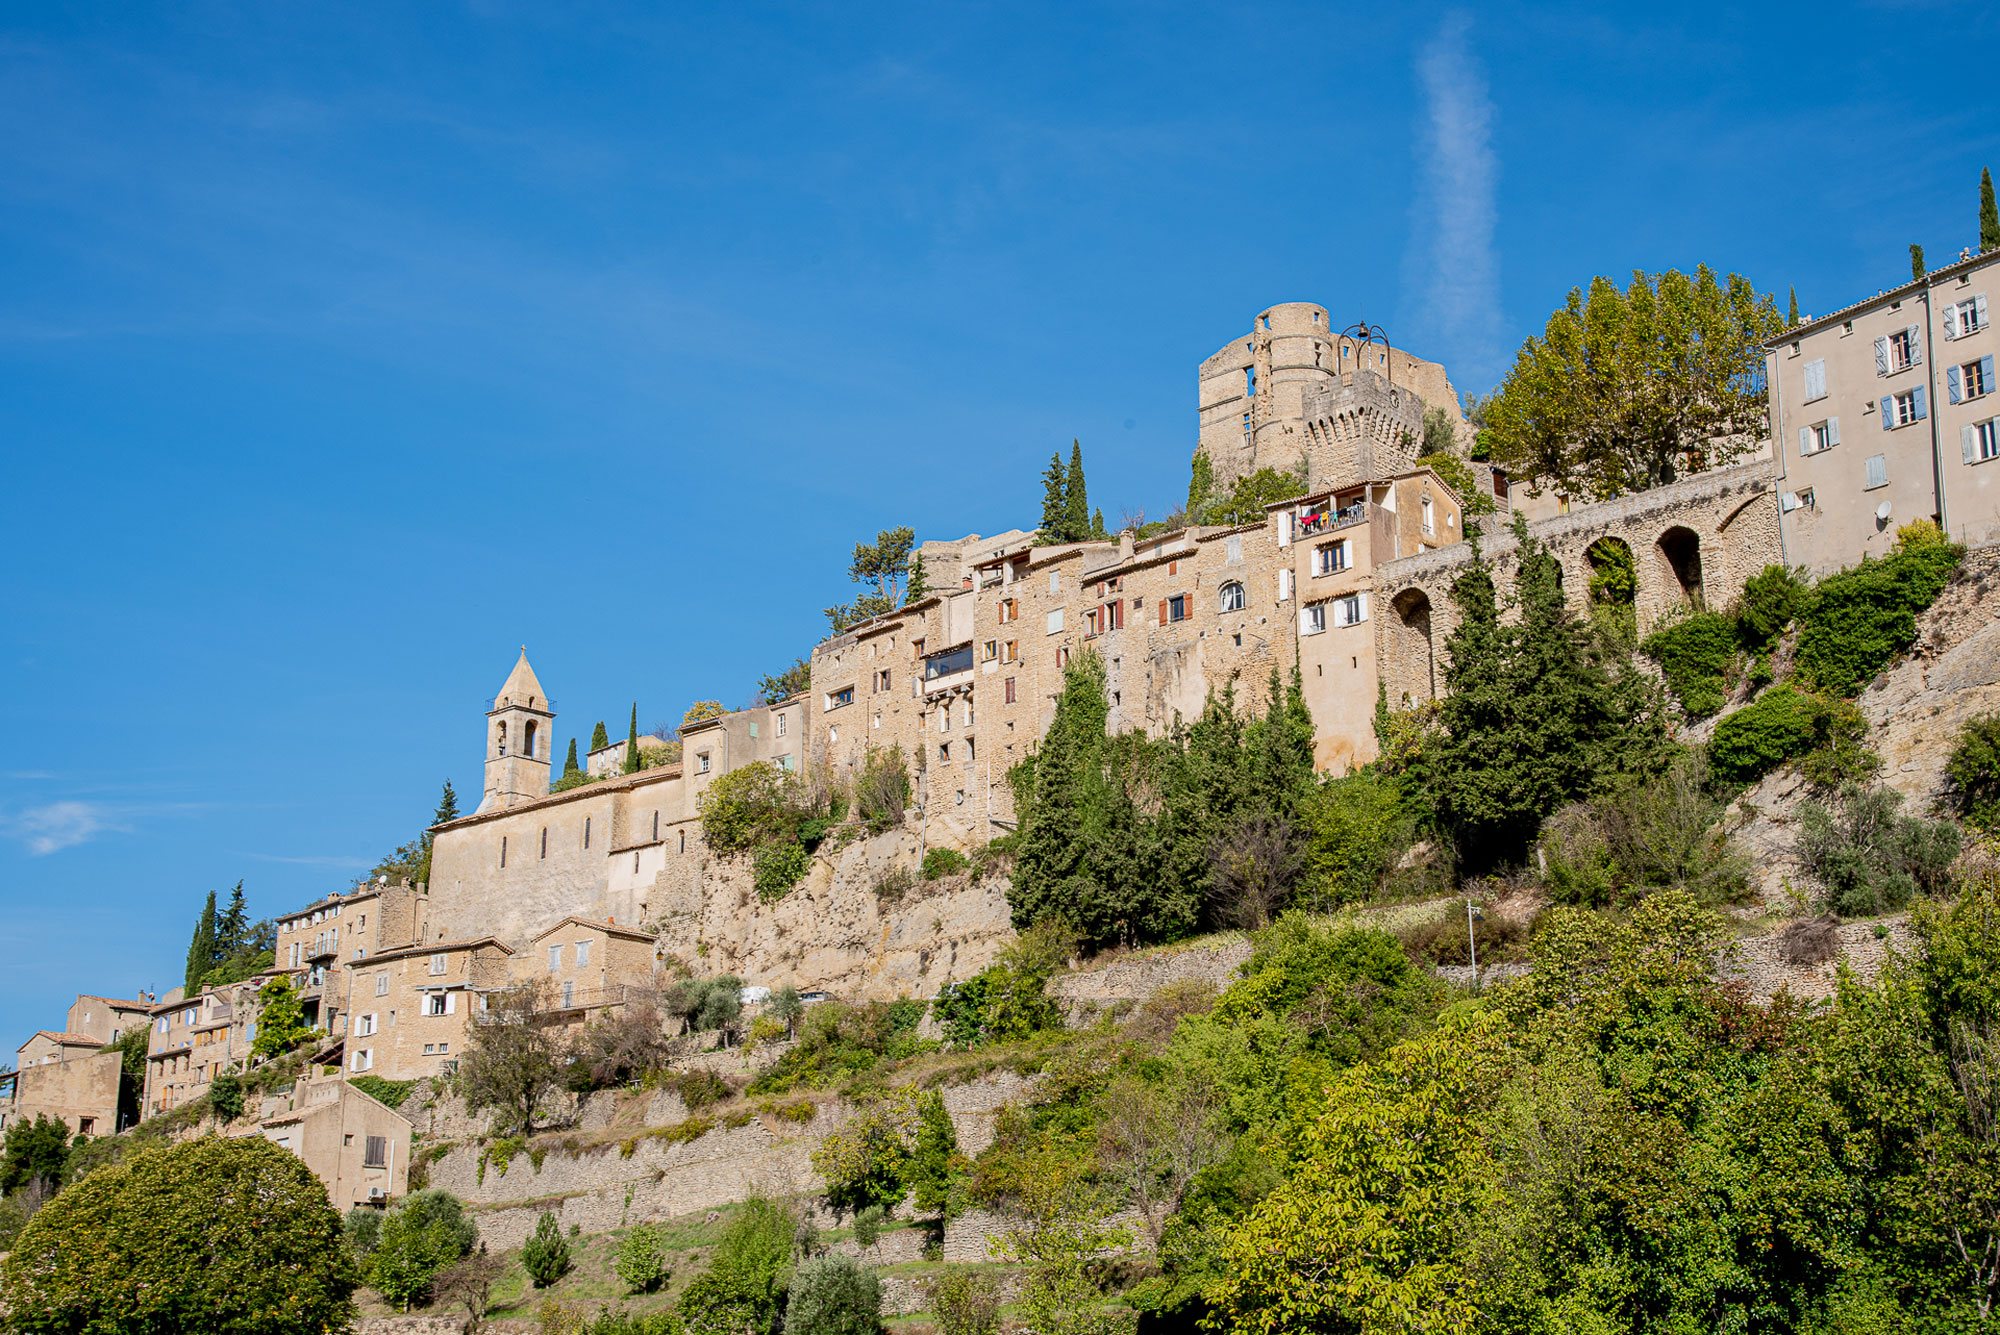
x: 450, y: 1003
x: 1916, y: 345
x: 1878, y: 470
x: 1968, y: 441
x: 1882, y: 355
x: 1951, y: 321
x: 1815, y: 380
x: 1833, y: 431
x: 1788, y: 501
x: 1979, y: 311
x: 1284, y: 586
x: 1805, y: 440
x: 1284, y: 528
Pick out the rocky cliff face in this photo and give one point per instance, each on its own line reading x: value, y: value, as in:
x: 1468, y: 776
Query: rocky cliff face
x: 837, y: 931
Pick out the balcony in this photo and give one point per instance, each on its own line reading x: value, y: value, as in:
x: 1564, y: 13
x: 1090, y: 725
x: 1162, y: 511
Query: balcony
x: 1326, y: 520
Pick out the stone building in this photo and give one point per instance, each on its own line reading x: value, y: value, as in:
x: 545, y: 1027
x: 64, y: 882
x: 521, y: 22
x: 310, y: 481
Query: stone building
x: 356, y: 1145
x: 412, y: 1006
x: 194, y: 1039
x: 1885, y: 411
x: 317, y: 942
x: 67, y: 1076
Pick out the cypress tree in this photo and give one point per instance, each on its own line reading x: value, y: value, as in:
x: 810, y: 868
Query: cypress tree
x: 632, y: 742
x: 1055, y: 509
x: 600, y: 738
x: 1792, y: 308
x: 447, y: 809
x: 1916, y: 262
x: 919, y: 587
x: 201, y: 949
x: 1201, y: 486
x: 569, y: 764
x: 1097, y: 529
x: 1076, y: 503
x: 1989, y: 213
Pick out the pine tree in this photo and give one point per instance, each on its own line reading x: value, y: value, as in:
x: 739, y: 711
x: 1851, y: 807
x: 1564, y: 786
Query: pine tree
x: 1989, y: 214
x: 919, y: 587
x: 1055, y: 507
x: 232, y: 929
x: 201, y: 949
x: 600, y: 738
x: 569, y: 764
x: 1917, y: 262
x: 632, y: 742
x: 447, y: 809
x: 1201, y: 486
x: 1076, y: 502
x: 1792, y: 308
x: 1097, y: 529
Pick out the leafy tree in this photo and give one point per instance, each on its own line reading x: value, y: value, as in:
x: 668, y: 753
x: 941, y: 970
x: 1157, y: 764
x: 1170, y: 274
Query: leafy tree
x: 1201, y: 483
x: 1247, y: 498
x: 232, y: 1236
x: 1009, y: 999
x: 833, y: 1295
x: 363, y: 1229
x: 794, y: 680
x: 202, y: 954
x: 632, y: 762
x: 1989, y: 216
x: 1458, y: 475
x: 281, y: 1020
x: 1973, y: 772
x: 1868, y: 857
x: 599, y: 737
x: 469, y: 1284
x: 225, y: 1097
x: 919, y: 586
x: 1060, y: 1244
x: 965, y: 1301
x: 1628, y: 390
x: 35, y: 1154
x: 750, y: 805
x: 881, y: 567
x: 512, y: 1063
x: 642, y: 1258
x: 423, y: 1236
x: 545, y: 1255
x: 1355, y: 828
x: 743, y: 1288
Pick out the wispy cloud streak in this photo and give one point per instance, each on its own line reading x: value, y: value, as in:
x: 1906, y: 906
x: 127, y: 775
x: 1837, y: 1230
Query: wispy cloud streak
x: 1457, y: 209
x: 54, y: 826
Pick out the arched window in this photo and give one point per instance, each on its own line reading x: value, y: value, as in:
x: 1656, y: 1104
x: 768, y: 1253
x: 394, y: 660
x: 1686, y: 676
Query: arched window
x: 500, y: 739
x: 528, y: 740
x: 1232, y: 597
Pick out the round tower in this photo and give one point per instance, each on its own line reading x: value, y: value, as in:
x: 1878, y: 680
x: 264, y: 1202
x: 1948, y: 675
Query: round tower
x: 519, y: 736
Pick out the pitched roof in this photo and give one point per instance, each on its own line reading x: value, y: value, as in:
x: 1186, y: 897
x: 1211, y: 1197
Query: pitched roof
x: 609, y: 928
x: 522, y: 689
x: 118, y: 1002
x: 68, y: 1040
x: 433, y: 948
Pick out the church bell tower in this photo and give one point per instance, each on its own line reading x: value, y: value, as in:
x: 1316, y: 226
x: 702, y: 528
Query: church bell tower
x: 519, y: 734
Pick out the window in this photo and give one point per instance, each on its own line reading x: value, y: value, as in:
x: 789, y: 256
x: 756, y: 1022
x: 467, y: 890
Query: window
x: 1176, y: 608
x: 363, y: 1060
x: 1980, y: 441
x: 701, y: 762
x: 555, y: 957
x: 503, y: 850
x: 882, y: 679
x: 1430, y: 522
x: 586, y: 832
x: 944, y: 752
x: 569, y: 994
x: 1330, y: 557
x: 841, y: 698
x: 364, y: 1025
x: 1971, y: 381
x: 1284, y: 586
x: 1965, y: 317
x: 1010, y: 690
x: 1232, y: 548
x: 1351, y: 610
x: 437, y: 1003
x: 783, y: 719
x: 1055, y: 620
x: 528, y: 740
x: 583, y: 954
x: 375, y: 1152
x: 1878, y: 472
x: 989, y: 650
x: 1055, y: 581
x: 1010, y: 651
x: 438, y: 964
x: 656, y: 827
x: 1899, y: 410
x: 1312, y: 619
x: 1896, y: 352
x: 381, y: 984
x: 1250, y: 381
x: 1815, y: 372
x: 1010, y: 610
x: 1232, y: 599
x: 1820, y: 436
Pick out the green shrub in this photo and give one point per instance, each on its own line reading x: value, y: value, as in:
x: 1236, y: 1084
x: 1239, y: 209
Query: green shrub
x: 748, y: 806
x: 1972, y: 774
x: 965, y: 1301
x: 389, y: 1092
x: 1008, y: 1000
x: 642, y: 1258
x: 744, y: 1285
x: 1772, y: 599
x: 545, y: 1256
x: 1782, y: 725
x: 617, y: 1321
x: 882, y: 789
x: 778, y: 868
x: 362, y: 1229
x: 941, y: 862
x: 1695, y: 655
x: 894, y: 885
x: 1868, y: 857
x: 1356, y: 828
x: 833, y: 1295
x: 424, y: 1234
x: 1861, y: 618
x: 225, y: 1097
x: 836, y: 1040
x: 1642, y: 836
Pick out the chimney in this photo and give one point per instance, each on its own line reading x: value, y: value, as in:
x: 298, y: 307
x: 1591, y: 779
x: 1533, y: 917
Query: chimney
x: 1125, y: 544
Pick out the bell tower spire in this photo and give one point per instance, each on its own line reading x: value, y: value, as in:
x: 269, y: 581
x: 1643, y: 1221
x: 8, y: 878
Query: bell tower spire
x: 518, y: 739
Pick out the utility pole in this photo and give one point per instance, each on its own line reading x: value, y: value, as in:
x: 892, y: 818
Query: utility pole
x: 1472, y: 938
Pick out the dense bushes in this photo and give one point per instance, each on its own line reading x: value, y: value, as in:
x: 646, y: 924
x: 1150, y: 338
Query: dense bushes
x: 642, y: 1258
x: 744, y: 1286
x: 837, y: 1041
x: 1644, y: 836
x: 776, y: 817
x: 426, y: 1233
x: 1009, y: 999
x: 1867, y: 857
x: 1972, y: 774
x: 901, y: 1144
x: 942, y: 862
x: 1784, y: 724
x: 833, y: 1295
x: 1856, y: 621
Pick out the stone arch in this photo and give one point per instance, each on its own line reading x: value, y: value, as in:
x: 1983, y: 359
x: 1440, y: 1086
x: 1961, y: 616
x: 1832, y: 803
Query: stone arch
x: 1412, y: 649
x: 528, y: 739
x: 1678, y: 552
x: 1612, y: 592
x: 500, y: 738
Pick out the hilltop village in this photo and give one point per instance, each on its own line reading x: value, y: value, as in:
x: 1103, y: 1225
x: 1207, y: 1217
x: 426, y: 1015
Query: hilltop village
x: 597, y: 892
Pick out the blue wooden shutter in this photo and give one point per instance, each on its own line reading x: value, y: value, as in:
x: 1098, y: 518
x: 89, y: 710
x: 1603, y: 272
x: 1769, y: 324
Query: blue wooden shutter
x: 1916, y: 337
x: 1832, y: 431
x: 1986, y: 374
x: 1951, y: 383
x: 1888, y: 413
x: 1917, y: 395
x: 1882, y: 355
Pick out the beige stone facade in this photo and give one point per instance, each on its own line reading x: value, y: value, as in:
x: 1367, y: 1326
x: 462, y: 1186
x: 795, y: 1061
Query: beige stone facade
x: 64, y: 1075
x: 315, y: 944
x: 412, y: 1007
x: 1888, y: 411
x: 358, y: 1147
x: 194, y: 1039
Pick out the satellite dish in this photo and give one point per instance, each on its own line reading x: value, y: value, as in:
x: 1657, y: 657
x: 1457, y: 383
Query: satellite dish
x: 1882, y: 510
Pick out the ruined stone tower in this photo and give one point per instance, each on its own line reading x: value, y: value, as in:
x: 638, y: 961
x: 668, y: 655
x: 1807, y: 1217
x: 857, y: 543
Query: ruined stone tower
x: 1295, y: 395
x: 518, y: 738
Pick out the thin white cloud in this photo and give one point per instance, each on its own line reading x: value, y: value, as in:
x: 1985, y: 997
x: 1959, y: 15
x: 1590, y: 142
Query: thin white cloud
x: 1457, y: 209
x: 308, y: 860
x: 54, y: 826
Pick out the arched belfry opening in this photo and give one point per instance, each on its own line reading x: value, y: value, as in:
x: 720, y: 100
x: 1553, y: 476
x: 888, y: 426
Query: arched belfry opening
x: 500, y: 738
x: 528, y: 739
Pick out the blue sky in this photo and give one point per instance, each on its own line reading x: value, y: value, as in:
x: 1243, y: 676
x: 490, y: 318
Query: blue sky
x: 345, y: 348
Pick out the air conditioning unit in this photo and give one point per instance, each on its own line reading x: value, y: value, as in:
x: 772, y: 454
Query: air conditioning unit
x: 377, y: 1194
